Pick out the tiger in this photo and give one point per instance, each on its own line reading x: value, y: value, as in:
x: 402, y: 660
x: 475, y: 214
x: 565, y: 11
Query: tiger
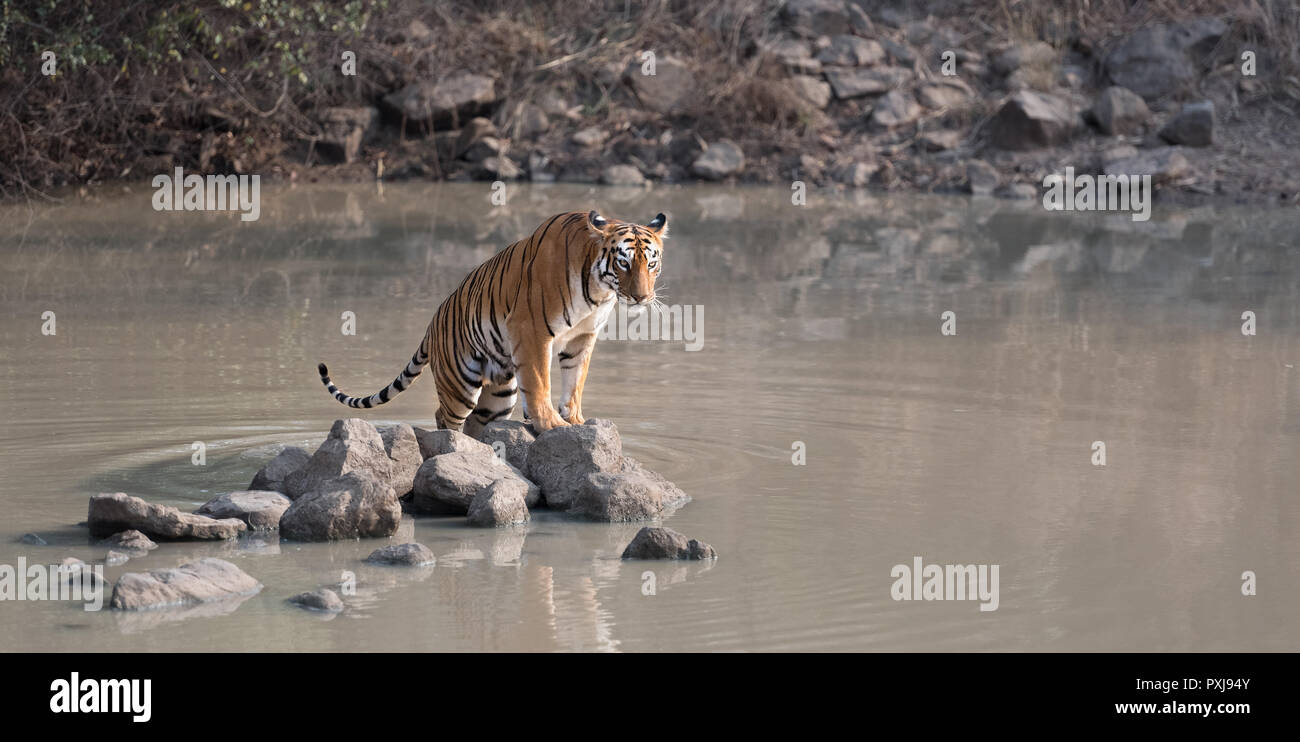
x: 547, y: 295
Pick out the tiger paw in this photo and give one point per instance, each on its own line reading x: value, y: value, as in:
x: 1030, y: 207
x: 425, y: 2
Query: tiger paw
x: 544, y: 423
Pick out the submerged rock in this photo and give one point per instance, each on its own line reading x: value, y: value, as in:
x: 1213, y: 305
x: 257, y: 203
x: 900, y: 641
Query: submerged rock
x: 31, y: 539
x: 204, y: 581
x: 113, y: 512
x: 271, y: 477
x: 132, y: 542
x: 502, y: 503
x: 449, y: 482
x: 355, y: 505
x: 409, y: 555
x: 116, y: 558
x: 353, y: 445
x: 261, y: 510
x: 665, y: 543
x: 324, y: 600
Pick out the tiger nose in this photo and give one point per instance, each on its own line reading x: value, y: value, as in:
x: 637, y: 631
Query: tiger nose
x: 640, y: 298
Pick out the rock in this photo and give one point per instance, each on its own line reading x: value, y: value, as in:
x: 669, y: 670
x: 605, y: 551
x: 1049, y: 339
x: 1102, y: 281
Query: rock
x: 624, y: 175
x: 261, y: 510
x: 1192, y: 126
x: 619, y: 497
x: 448, y: 483
x: 1035, y: 55
x: 1163, y: 164
x: 502, y: 503
x: 475, y: 129
x: 894, y: 109
x: 402, y: 555
x: 271, y: 477
x: 116, y: 558
x: 514, y: 438
x: 352, y: 445
x: 899, y: 53
x: 812, y: 18
x: 1120, y: 111
x: 403, y: 450
x: 539, y: 168
x: 32, y: 539
x: 561, y: 458
x: 669, y: 91
x: 72, y: 570
x: 851, y: 51
x: 437, y: 442
x: 345, y: 130
x: 592, y: 136
x: 673, y: 496
x: 1160, y: 60
x: 113, y: 512
x: 665, y: 543
x: 498, y: 168
x: 854, y: 83
x: 812, y: 90
x: 856, y: 174
x: 355, y: 505
x: 483, y: 148
x: 982, y: 177
x: 723, y: 158
x: 531, y: 121
x: 939, y: 141
x: 795, y: 54
x: 1029, y: 119
x: 324, y: 600
x: 132, y: 542
x: 943, y: 94
x: 204, y: 581
x: 458, y: 97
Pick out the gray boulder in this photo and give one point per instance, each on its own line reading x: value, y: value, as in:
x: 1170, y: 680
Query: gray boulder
x: 1192, y: 126
x: 514, y: 438
x: 113, y: 512
x: 403, y: 451
x: 324, y: 600
x: 1160, y: 60
x: 404, y: 555
x: 32, y: 539
x: 458, y: 97
x: 204, y: 581
x: 618, y: 497
x: 354, y: 505
x: 673, y: 496
x: 665, y: 543
x: 132, y: 542
x: 851, y: 51
x: 261, y: 510
x: 669, y: 91
x: 561, y: 458
x: 624, y: 175
x: 447, y: 483
x: 1120, y: 111
x: 437, y: 442
x: 848, y: 82
x: 1030, y: 119
x: 812, y: 18
x: 895, y: 108
x: 271, y: 477
x: 723, y: 158
x: 353, y: 445
x: 502, y: 503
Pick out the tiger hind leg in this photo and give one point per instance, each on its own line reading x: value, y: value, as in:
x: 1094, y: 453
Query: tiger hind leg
x: 496, y: 402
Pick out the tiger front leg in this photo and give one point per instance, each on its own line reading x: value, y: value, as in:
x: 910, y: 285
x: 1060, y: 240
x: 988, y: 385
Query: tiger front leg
x: 575, y: 359
x: 533, y: 361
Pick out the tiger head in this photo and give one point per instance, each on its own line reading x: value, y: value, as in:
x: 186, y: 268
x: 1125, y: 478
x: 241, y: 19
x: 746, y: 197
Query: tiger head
x: 630, y: 255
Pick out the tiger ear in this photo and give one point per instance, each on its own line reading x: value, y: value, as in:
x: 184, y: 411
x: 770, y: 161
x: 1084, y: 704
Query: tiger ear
x: 596, y: 221
x: 659, y: 224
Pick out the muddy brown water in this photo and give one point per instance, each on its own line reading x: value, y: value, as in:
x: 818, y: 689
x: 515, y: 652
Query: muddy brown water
x: 821, y: 332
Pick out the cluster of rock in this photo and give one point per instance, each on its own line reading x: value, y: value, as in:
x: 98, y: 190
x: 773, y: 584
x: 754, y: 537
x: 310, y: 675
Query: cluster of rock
x: 359, y: 482
x: 894, y: 101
